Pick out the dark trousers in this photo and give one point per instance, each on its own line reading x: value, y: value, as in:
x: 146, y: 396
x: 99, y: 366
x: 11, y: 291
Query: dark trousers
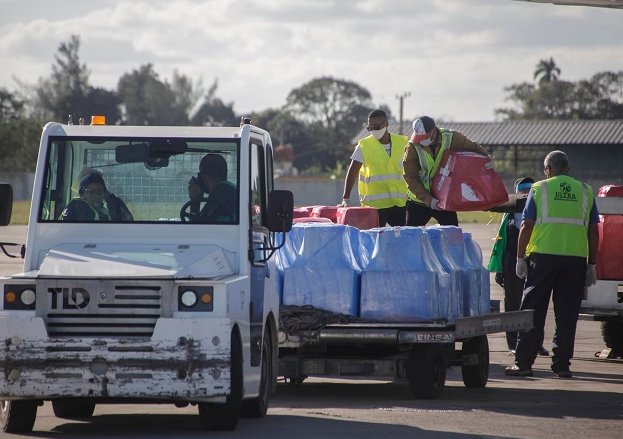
x: 419, y: 215
x: 513, y: 291
x: 565, y: 277
x: 513, y: 285
x: 394, y: 216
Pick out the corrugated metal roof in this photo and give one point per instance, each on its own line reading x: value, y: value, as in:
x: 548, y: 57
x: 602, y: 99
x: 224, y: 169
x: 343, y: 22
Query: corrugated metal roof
x: 559, y: 132
x: 535, y: 133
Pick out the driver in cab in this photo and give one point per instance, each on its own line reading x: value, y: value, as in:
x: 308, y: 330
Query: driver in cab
x: 95, y: 203
x: 220, y: 205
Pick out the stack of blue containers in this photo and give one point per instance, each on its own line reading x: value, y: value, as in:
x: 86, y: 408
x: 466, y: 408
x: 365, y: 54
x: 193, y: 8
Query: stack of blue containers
x: 470, y: 273
x: 390, y: 274
x: 402, y: 281
x: 287, y: 254
x: 474, y: 259
x: 451, y: 301
x: 324, y: 273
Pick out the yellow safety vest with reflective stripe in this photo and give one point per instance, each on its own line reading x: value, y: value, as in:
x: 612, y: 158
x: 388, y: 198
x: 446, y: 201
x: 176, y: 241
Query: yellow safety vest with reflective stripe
x: 563, y: 208
x: 428, y: 165
x: 381, y: 183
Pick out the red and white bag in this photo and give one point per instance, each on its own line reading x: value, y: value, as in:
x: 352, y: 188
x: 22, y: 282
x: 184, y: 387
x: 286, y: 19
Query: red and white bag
x: 466, y: 181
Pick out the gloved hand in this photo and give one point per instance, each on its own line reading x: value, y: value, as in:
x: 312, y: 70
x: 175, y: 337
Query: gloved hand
x: 499, y: 279
x: 521, y: 268
x: 591, y: 275
x: 433, y: 204
x: 345, y: 202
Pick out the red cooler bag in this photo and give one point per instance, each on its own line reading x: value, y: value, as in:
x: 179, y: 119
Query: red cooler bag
x: 466, y: 182
x: 610, y: 253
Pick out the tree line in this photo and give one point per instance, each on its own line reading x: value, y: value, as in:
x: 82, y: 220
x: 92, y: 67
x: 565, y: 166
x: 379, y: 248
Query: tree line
x: 600, y: 97
x: 319, y: 118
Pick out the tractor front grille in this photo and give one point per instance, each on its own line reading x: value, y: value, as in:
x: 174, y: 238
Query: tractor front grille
x: 82, y: 308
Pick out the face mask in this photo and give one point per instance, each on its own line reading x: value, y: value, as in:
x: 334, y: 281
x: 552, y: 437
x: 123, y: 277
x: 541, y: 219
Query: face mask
x: 426, y: 142
x: 378, y: 133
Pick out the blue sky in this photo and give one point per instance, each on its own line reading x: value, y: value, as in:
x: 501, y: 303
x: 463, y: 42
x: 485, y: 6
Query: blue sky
x: 454, y: 57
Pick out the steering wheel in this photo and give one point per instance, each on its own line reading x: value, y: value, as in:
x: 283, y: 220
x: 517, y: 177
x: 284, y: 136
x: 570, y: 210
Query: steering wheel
x: 188, y: 217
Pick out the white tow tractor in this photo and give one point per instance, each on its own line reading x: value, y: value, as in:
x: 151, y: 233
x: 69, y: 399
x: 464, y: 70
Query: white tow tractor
x: 155, y: 306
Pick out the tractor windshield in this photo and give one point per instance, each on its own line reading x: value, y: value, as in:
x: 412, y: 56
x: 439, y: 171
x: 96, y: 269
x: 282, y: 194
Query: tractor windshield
x: 141, y: 180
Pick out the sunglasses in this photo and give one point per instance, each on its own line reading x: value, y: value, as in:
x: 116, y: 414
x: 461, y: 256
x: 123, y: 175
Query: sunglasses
x: 375, y: 127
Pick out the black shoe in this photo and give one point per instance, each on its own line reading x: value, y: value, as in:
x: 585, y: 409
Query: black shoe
x: 565, y: 374
x: 543, y: 352
x: 516, y: 371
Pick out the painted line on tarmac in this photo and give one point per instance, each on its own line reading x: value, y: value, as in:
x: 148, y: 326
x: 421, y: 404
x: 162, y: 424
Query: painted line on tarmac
x: 402, y: 409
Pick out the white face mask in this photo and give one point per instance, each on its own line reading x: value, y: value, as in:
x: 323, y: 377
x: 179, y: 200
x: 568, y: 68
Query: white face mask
x: 378, y: 133
x: 426, y: 142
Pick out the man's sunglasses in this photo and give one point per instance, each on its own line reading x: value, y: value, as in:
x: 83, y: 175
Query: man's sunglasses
x: 375, y: 127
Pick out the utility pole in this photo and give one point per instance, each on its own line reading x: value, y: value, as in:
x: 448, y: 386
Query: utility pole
x: 401, y: 98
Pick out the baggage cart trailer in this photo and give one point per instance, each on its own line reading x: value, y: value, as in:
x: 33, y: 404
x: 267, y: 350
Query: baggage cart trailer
x: 417, y: 353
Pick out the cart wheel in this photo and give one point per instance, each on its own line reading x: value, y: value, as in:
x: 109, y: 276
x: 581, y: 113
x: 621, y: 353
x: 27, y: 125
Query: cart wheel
x: 612, y: 333
x: 475, y: 364
x: 426, y: 371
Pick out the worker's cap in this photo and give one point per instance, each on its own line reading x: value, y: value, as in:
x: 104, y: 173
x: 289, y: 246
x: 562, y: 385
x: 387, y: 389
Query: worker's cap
x: 523, y: 184
x: 422, y: 128
x: 93, y: 177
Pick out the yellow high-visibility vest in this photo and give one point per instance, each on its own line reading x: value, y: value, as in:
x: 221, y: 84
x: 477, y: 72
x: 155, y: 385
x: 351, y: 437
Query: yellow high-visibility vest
x: 381, y: 183
x: 563, y: 207
x: 428, y: 165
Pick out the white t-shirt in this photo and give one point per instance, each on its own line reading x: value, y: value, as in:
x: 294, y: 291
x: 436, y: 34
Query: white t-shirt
x: 357, y: 155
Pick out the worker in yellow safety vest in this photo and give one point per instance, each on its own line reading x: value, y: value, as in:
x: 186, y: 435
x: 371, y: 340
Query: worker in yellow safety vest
x: 422, y: 158
x: 556, y: 254
x: 377, y: 162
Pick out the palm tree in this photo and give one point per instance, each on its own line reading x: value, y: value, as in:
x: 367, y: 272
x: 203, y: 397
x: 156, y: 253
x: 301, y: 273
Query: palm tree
x: 547, y: 70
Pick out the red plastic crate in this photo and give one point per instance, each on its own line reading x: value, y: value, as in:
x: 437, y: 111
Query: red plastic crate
x: 302, y: 212
x: 329, y: 212
x: 312, y: 219
x: 361, y: 217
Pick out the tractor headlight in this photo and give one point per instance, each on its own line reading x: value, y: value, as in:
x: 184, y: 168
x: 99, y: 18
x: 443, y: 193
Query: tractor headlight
x: 189, y: 298
x: 20, y: 297
x: 197, y: 298
x: 28, y: 296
